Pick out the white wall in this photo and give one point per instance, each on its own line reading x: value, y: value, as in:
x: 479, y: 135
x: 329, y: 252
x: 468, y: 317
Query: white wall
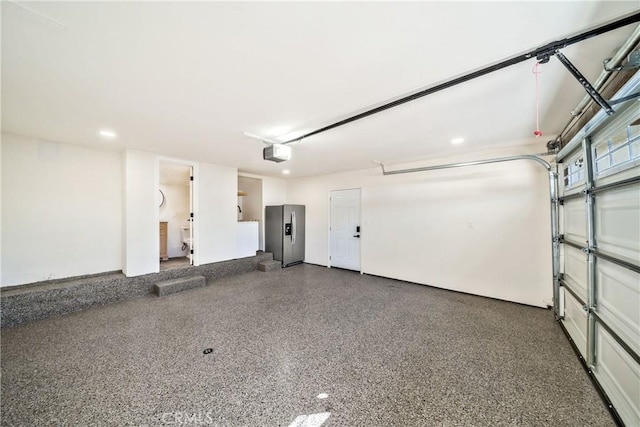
x: 69, y: 210
x: 216, y: 215
x: 61, y: 210
x: 215, y: 189
x: 141, y: 238
x: 416, y: 227
x: 274, y: 191
x: 175, y: 211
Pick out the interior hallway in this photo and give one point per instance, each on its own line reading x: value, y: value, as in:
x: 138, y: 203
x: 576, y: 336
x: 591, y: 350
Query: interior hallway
x: 385, y: 352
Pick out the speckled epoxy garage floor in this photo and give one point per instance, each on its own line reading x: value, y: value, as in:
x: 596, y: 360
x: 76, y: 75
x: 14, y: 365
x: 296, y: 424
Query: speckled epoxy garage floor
x: 386, y: 353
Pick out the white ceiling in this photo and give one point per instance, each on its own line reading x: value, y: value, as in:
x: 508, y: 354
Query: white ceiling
x: 186, y: 79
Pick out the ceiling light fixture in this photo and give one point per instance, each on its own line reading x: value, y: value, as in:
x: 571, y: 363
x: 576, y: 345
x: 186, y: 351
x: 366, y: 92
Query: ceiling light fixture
x: 108, y: 134
x: 286, y: 172
x: 457, y: 140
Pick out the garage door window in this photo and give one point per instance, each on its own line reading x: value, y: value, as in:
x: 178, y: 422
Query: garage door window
x: 573, y: 173
x: 619, y: 150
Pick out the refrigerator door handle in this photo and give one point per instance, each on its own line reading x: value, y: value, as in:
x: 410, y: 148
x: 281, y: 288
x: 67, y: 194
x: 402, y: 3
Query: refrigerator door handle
x: 293, y: 228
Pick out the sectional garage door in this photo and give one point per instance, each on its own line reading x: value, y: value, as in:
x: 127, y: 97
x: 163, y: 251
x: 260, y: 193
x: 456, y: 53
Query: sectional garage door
x: 600, y: 257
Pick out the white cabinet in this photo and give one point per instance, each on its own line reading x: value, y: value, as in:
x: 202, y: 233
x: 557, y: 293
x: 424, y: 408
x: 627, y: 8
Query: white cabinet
x: 247, y: 240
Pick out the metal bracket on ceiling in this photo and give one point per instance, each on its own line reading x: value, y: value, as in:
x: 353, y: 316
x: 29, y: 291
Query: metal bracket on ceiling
x: 592, y: 91
x: 633, y: 61
x: 553, y: 146
x: 545, y: 53
x: 551, y: 50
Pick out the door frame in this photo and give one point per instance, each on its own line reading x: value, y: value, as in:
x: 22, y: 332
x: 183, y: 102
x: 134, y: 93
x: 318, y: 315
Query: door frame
x: 193, y: 192
x: 329, y: 225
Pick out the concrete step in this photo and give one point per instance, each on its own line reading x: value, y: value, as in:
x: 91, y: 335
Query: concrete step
x: 269, y: 265
x: 41, y: 300
x: 169, y: 287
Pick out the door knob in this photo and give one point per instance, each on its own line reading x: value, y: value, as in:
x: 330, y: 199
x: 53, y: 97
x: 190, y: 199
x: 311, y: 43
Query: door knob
x: 357, y: 235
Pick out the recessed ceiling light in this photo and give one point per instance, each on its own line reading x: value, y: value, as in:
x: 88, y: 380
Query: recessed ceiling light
x: 286, y: 172
x: 108, y: 134
x: 457, y: 140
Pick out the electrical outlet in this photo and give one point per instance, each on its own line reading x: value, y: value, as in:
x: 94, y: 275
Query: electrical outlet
x: 469, y: 224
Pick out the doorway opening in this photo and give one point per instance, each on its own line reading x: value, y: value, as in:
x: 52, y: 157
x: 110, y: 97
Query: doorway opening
x: 344, y: 229
x: 176, y: 215
x: 250, y: 216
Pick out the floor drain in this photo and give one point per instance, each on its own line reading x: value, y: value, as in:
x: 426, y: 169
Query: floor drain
x: 208, y: 351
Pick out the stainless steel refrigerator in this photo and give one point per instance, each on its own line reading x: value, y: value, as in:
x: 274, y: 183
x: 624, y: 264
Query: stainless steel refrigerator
x: 284, y: 233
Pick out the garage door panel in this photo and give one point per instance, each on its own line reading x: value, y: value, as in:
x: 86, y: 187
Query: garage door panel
x: 606, y: 220
x: 617, y: 222
x: 618, y: 296
x: 619, y: 376
x: 575, y: 322
x: 575, y: 221
x: 621, y: 175
x: 575, y: 270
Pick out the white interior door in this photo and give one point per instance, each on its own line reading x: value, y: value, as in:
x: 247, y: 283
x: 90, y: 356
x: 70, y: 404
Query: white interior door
x: 345, y: 229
